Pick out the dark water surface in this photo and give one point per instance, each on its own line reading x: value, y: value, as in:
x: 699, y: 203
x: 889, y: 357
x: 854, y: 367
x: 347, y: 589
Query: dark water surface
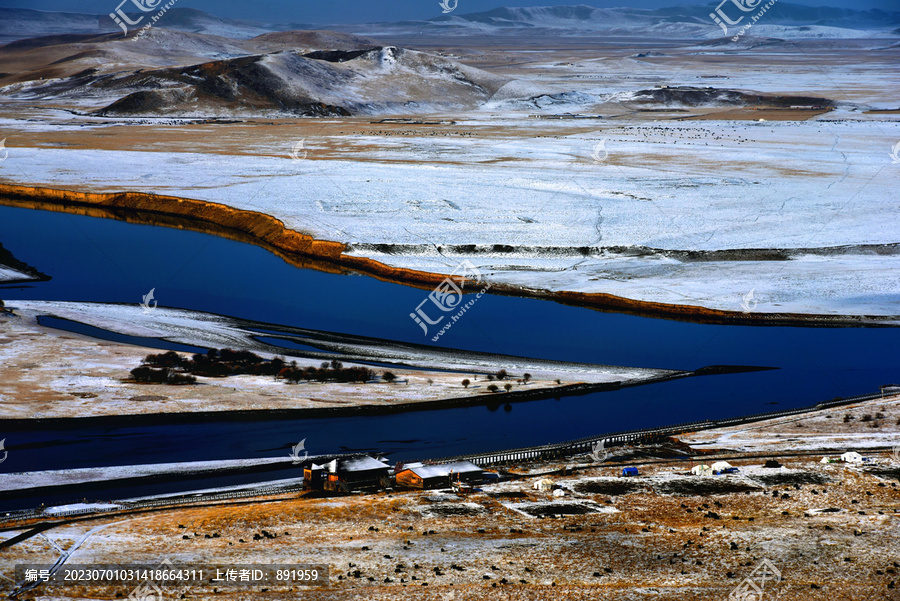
x: 103, y: 260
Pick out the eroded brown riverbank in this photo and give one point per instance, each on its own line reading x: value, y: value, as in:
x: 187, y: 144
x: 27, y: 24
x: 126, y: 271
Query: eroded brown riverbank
x: 305, y: 251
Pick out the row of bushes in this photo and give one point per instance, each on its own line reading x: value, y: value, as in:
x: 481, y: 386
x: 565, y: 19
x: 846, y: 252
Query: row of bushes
x: 218, y: 363
x: 174, y: 368
x: 327, y: 373
x: 163, y: 375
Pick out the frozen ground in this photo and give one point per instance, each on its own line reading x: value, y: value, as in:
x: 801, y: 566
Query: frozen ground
x: 862, y: 427
x: 829, y: 530
x: 566, y: 222
x: 688, y: 205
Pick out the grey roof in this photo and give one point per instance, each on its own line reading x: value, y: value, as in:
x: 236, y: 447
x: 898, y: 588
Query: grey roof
x: 442, y: 470
x: 355, y: 464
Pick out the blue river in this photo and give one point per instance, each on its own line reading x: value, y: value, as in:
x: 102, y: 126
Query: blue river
x: 105, y: 260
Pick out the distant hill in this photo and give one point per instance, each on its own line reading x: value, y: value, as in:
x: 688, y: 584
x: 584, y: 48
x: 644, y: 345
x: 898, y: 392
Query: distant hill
x: 686, y: 21
x: 20, y: 23
x: 783, y: 19
x: 320, y: 40
x: 380, y: 80
x: 65, y: 55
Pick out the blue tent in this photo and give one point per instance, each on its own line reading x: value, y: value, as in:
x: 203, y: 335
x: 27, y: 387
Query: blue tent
x: 629, y: 471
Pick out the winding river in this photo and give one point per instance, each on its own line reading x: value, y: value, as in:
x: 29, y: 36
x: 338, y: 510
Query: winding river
x: 104, y: 260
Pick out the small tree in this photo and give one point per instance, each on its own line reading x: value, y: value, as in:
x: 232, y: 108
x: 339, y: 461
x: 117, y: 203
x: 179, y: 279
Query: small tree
x: 493, y: 388
x: 465, y: 383
x: 335, y: 364
x: 502, y: 375
x: 526, y: 377
x: 388, y: 377
x: 507, y: 386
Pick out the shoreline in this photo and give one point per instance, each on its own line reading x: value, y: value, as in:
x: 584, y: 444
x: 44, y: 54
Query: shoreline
x: 306, y: 252
x: 157, y: 419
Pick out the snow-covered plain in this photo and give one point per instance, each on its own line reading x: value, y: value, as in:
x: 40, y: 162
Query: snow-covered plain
x: 669, y: 186
x: 632, y: 203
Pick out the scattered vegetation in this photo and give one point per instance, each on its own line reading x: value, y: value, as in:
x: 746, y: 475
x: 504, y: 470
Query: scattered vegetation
x: 609, y: 487
x: 326, y: 373
x: 174, y: 368
x: 466, y: 383
x: 164, y: 375
x: 797, y: 478
x: 703, y: 487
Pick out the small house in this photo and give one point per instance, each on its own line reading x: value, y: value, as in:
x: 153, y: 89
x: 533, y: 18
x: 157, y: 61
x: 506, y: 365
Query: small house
x: 353, y: 473
x: 629, y: 471
x: 419, y: 475
x: 544, y: 485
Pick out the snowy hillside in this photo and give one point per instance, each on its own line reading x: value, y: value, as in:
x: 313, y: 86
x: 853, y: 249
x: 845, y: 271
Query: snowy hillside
x: 364, y: 81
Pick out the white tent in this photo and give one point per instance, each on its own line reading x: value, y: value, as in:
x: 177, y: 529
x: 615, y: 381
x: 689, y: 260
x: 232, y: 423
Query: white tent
x: 701, y: 470
x: 852, y: 457
x: 720, y: 465
x: 559, y: 492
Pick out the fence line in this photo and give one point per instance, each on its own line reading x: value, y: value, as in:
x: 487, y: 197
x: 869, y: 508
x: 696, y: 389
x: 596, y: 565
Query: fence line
x: 586, y: 444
